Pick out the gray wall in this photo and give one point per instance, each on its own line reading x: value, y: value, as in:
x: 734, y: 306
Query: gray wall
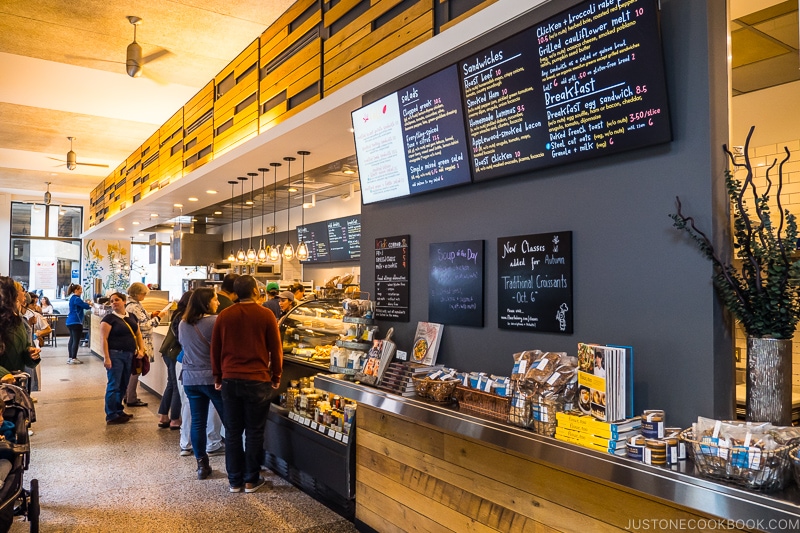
x: 636, y: 280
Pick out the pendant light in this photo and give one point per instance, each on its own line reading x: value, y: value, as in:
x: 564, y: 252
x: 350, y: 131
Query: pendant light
x: 251, y: 253
x: 262, y: 248
x: 231, y: 257
x: 275, y: 251
x: 302, y: 248
x: 288, y: 249
x: 240, y: 255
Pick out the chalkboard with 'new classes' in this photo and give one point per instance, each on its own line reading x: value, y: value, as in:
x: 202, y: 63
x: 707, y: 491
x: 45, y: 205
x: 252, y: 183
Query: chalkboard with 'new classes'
x: 455, y: 283
x: 534, y: 290
x: 391, y: 278
x: 585, y: 83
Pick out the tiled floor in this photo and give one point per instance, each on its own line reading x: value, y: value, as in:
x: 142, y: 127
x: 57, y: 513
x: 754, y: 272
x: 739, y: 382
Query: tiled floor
x: 130, y: 478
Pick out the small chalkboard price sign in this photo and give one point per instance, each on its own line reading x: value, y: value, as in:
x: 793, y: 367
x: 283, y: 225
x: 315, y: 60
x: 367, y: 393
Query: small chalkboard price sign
x: 455, y: 286
x: 535, y: 282
x: 391, y: 278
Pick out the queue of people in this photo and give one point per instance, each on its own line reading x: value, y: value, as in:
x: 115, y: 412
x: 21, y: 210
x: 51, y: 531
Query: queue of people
x: 225, y: 354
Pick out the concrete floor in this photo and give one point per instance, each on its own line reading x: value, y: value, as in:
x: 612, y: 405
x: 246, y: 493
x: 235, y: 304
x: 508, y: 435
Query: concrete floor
x: 130, y: 477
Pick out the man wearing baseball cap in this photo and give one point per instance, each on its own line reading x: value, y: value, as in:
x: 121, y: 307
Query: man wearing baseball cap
x: 273, y: 303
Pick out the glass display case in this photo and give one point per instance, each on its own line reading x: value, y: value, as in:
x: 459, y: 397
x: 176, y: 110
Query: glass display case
x: 311, y: 329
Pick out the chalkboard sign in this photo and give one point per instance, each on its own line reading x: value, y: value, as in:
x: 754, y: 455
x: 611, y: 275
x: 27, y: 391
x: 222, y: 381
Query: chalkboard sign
x: 344, y: 238
x: 534, y: 290
x: 391, y: 278
x: 413, y: 140
x: 316, y: 238
x: 455, y: 283
x: 584, y: 83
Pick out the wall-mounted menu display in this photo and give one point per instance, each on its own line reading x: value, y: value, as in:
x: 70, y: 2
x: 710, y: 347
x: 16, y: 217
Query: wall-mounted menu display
x: 344, y: 238
x: 584, y: 83
x: 534, y: 290
x: 455, y: 283
x: 391, y: 278
x: 332, y: 240
x: 316, y: 238
x: 413, y: 140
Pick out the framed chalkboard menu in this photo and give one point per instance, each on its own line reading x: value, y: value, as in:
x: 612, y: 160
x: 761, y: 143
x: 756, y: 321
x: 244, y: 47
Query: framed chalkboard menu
x: 587, y: 82
x: 534, y: 291
x: 391, y: 278
x: 455, y: 283
x: 413, y: 140
x: 338, y: 239
x: 344, y: 238
x: 316, y: 238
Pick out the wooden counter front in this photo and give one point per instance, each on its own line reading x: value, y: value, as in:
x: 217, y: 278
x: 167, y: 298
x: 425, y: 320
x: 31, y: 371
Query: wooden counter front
x: 423, y: 467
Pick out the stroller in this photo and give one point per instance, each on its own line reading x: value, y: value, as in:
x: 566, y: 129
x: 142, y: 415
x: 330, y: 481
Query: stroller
x: 14, y: 499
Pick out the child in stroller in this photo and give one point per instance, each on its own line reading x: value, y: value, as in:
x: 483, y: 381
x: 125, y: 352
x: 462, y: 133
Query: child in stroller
x: 16, y: 415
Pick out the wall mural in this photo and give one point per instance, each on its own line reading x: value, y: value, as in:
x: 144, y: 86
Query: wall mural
x: 108, y: 261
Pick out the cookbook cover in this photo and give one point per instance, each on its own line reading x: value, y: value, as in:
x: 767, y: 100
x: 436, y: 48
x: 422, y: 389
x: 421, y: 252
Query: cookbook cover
x: 426, y: 343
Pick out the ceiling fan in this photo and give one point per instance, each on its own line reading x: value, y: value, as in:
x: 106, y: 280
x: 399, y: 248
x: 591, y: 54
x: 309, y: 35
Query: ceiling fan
x: 134, y: 60
x: 72, y: 160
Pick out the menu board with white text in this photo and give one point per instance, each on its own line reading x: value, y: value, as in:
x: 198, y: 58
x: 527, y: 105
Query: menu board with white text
x: 582, y: 84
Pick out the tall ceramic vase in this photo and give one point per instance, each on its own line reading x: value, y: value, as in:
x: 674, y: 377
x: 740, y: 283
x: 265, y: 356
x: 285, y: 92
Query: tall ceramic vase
x: 769, y: 380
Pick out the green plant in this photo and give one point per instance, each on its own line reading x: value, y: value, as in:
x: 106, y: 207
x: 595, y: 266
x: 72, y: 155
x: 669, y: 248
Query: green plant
x: 762, y: 291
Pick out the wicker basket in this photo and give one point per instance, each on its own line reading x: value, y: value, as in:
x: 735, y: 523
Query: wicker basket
x: 749, y: 467
x: 436, y: 390
x: 482, y: 403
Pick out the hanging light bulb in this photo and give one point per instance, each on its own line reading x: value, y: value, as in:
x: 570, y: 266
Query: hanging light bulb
x: 251, y: 253
x: 302, y: 248
x: 288, y: 249
x: 275, y: 251
x: 262, y: 251
x: 231, y: 256
x: 240, y: 255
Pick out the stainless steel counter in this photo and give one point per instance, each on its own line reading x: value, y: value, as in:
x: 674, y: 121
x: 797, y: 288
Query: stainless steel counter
x: 766, y: 512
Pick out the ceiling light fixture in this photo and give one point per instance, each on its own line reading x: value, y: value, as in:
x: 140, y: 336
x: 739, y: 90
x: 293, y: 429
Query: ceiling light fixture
x: 302, y: 248
x: 72, y: 159
x: 193, y: 199
x: 211, y: 191
x: 275, y: 251
x: 288, y: 249
x: 251, y: 253
x: 262, y: 249
x: 47, y: 195
x: 231, y: 257
x: 240, y: 255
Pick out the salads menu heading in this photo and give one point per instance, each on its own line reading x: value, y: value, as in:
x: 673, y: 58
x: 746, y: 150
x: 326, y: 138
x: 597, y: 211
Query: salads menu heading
x: 582, y: 84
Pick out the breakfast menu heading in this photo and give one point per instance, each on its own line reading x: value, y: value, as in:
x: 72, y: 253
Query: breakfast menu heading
x: 584, y: 83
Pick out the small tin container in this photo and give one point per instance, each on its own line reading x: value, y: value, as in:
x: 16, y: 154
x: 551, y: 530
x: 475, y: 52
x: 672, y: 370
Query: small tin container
x: 653, y: 424
x: 635, y: 448
x: 655, y: 452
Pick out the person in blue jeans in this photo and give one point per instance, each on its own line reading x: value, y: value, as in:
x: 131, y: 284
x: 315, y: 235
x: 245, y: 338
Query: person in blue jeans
x: 194, y: 332
x: 247, y: 363
x: 75, y: 321
x: 122, y: 341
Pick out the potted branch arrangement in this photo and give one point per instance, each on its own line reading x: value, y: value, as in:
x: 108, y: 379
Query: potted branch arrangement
x: 762, y: 289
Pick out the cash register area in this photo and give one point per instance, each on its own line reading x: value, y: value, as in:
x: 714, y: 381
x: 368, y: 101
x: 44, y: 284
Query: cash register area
x: 130, y: 477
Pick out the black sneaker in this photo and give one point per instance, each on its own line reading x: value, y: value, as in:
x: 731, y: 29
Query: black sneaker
x: 137, y: 403
x: 119, y: 420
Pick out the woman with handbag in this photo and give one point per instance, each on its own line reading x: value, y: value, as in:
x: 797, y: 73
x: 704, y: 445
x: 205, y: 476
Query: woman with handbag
x: 194, y: 331
x: 169, y: 410
x: 147, y: 321
x: 122, y: 342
